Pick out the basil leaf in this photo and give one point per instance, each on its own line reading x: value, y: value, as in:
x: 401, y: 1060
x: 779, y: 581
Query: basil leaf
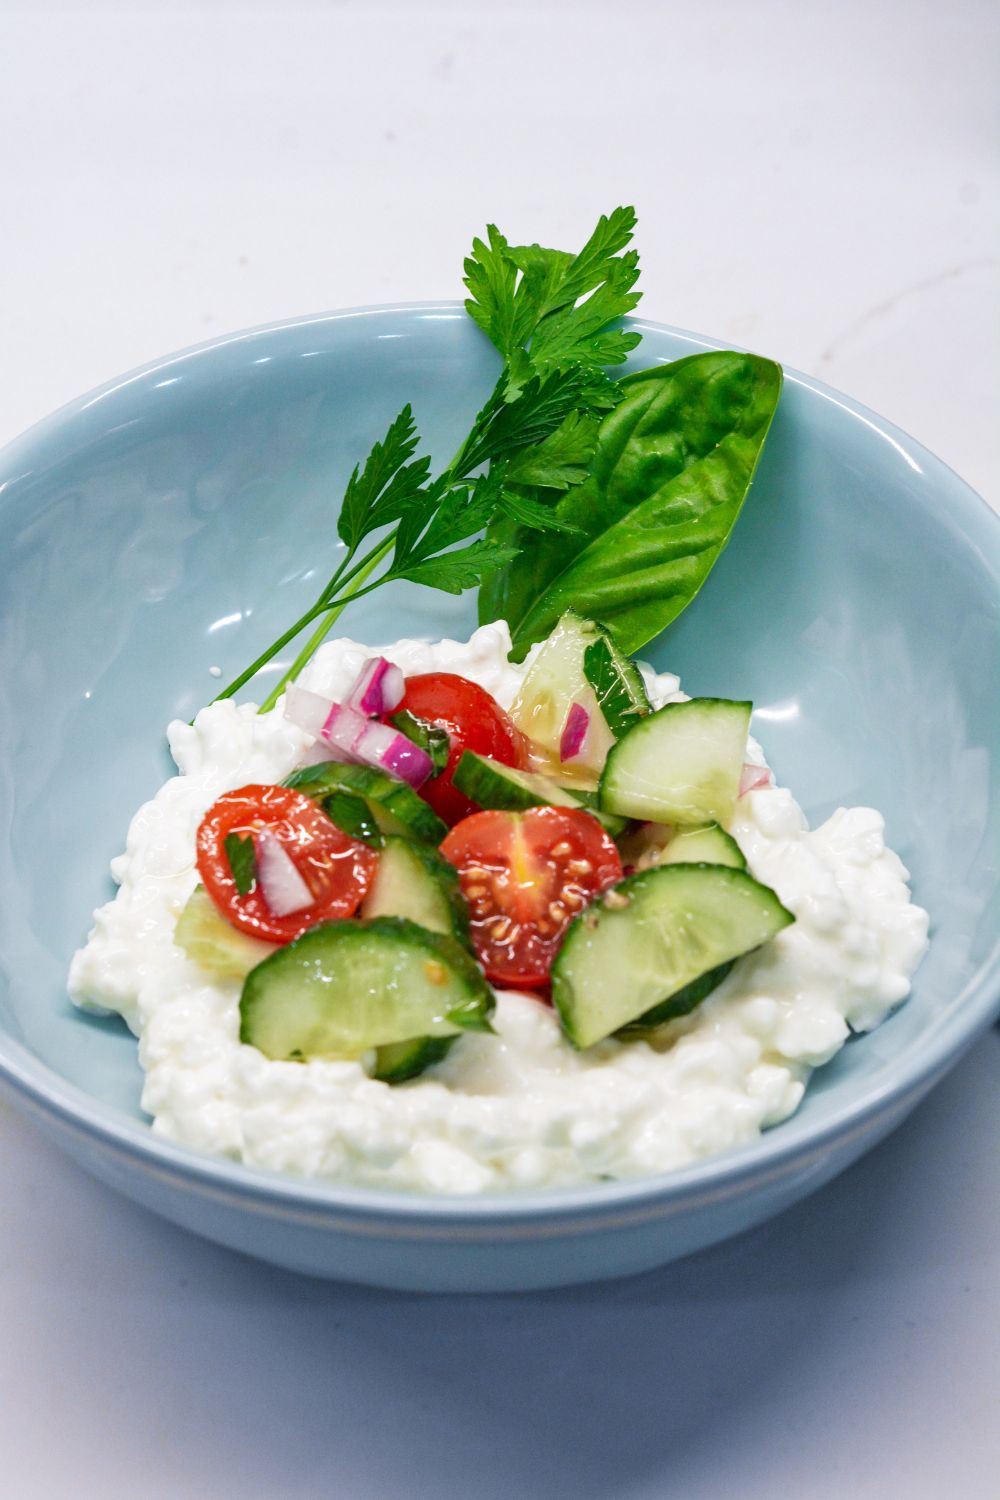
x: 618, y: 685
x: 430, y: 737
x: 242, y: 860
x: 354, y: 817
x: 671, y: 470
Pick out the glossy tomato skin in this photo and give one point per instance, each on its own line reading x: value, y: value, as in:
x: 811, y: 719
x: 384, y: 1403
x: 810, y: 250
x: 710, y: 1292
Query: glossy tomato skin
x: 337, y: 869
x: 474, y: 721
x: 525, y: 877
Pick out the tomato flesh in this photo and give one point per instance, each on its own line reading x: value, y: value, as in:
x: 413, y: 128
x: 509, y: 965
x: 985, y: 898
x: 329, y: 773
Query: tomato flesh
x: 525, y: 877
x: 337, y: 869
x: 474, y: 720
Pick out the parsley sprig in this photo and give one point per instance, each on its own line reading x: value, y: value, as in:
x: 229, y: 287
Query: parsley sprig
x: 551, y: 315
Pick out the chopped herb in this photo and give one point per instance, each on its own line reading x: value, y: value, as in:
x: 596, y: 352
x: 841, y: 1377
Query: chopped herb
x: 242, y: 861
x: 617, y: 684
x: 430, y: 737
x: 354, y: 817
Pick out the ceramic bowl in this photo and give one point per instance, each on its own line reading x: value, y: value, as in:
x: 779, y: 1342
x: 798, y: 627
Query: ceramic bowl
x: 172, y: 521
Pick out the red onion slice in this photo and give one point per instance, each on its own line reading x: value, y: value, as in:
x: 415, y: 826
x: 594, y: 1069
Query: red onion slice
x: 386, y: 749
x: 752, y: 778
x: 344, y: 729
x: 281, y: 885
x: 574, y: 736
x: 310, y: 711
x: 378, y: 689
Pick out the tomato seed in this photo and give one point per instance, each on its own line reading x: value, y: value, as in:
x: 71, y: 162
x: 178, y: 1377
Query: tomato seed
x: 561, y: 849
x: 557, y: 911
x: 579, y: 866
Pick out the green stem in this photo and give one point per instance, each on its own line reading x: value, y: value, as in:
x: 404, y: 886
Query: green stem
x: 330, y: 614
x: 272, y: 650
x: 289, y: 635
x: 342, y: 578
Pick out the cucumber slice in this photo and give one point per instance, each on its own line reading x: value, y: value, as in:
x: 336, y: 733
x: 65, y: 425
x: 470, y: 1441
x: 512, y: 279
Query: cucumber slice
x: 680, y: 1004
x: 652, y: 935
x: 680, y: 765
x: 344, y: 987
x: 415, y: 881
x: 395, y: 806
x: 617, y: 684
x: 215, y: 944
x: 399, y: 1061
x: 710, y: 845
x: 553, y: 683
x: 489, y: 784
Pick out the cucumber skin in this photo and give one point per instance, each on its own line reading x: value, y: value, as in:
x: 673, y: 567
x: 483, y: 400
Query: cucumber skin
x: 445, y: 876
x: 473, y: 1015
x: 735, y: 857
x: 398, y: 1061
x: 491, y: 785
x: 403, y: 810
x: 680, y: 1004
x: 562, y: 990
x: 611, y: 799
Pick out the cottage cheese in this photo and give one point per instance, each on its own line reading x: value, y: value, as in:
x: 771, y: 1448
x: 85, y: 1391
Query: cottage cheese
x: 520, y: 1109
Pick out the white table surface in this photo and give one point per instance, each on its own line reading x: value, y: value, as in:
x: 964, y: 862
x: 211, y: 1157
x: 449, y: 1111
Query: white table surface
x: 819, y: 182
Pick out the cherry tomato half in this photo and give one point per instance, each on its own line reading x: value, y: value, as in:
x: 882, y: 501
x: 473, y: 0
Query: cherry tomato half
x: 525, y: 876
x: 337, y: 869
x: 474, y: 721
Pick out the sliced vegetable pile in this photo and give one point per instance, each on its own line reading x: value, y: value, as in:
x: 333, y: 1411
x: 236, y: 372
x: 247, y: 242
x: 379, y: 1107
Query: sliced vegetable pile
x: 575, y: 848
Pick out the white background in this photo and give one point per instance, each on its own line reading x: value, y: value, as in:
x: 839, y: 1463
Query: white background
x: 816, y: 181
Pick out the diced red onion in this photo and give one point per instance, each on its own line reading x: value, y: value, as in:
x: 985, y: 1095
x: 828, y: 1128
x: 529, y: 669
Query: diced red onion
x: 307, y: 710
x: 574, y: 735
x: 344, y: 734
x: 321, y: 754
x: 386, y: 749
x: 281, y: 885
x: 753, y: 777
x: 344, y: 729
x: 378, y: 689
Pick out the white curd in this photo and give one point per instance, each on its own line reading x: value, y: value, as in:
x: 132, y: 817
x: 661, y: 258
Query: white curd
x: 520, y: 1109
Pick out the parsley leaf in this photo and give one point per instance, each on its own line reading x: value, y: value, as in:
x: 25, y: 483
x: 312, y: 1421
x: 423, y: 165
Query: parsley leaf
x: 490, y: 275
x: 556, y: 309
x: 454, y: 572
x: 387, y: 484
x: 519, y: 506
x: 552, y: 316
x: 560, y: 460
x: 242, y: 859
x: 580, y: 333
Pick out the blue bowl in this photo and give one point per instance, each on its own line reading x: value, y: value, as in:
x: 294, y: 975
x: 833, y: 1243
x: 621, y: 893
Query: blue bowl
x: 174, y: 519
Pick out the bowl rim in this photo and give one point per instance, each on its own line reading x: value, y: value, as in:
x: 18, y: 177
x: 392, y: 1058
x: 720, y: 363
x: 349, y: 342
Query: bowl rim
x: 774, y: 1153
